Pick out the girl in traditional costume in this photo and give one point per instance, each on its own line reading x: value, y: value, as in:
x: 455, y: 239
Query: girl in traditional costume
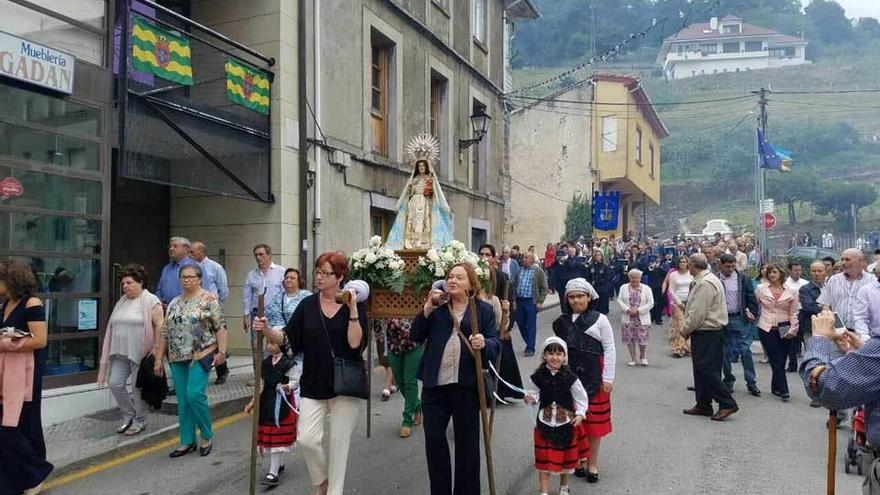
x: 277, y: 430
x: 590, y: 341
x: 562, y: 406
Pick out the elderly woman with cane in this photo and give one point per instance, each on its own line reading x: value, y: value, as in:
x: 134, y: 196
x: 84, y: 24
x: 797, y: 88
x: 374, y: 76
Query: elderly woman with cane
x: 449, y: 377
x: 326, y: 332
x: 592, y: 356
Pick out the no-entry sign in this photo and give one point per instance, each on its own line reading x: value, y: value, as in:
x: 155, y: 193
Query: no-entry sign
x: 769, y: 221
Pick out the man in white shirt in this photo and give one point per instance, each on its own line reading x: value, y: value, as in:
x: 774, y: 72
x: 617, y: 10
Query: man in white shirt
x: 266, y: 275
x: 839, y: 292
x: 794, y: 280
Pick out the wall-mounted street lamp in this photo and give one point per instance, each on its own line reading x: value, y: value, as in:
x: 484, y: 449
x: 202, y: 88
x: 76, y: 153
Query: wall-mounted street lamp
x: 479, y: 120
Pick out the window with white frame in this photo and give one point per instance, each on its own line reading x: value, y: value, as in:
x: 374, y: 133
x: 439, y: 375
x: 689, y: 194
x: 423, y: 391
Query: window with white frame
x: 479, y: 20
x: 609, y: 133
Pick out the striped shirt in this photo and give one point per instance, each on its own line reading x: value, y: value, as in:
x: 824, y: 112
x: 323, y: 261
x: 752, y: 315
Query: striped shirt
x: 526, y: 280
x: 849, y: 381
x: 839, y: 294
x: 867, y: 309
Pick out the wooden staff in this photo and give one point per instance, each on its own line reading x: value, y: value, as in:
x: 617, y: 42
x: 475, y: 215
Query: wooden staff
x: 832, y: 450
x: 369, y: 331
x: 255, y: 423
x: 498, y: 367
x: 481, y: 393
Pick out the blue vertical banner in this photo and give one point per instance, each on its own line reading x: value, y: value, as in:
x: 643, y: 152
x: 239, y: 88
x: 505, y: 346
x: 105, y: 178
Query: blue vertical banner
x: 606, y: 210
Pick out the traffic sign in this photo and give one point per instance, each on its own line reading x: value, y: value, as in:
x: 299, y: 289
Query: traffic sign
x: 769, y: 221
x: 767, y: 206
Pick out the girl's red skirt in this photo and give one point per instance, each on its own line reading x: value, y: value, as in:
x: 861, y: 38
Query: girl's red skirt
x: 598, y: 421
x: 270, y: 436
x: 561, y: 459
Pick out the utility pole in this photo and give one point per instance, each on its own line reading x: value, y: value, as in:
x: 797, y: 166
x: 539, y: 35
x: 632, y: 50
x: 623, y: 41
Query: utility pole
x: 761, y: 174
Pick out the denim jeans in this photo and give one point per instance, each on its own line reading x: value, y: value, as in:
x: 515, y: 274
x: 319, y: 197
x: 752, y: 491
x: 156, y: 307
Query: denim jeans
x: 737, y: 340
x: 526, y: 316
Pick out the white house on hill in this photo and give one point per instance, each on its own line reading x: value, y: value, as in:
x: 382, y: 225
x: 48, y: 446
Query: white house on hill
x: 727, y: 45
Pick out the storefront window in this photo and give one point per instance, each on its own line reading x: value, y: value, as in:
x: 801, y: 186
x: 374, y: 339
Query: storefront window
x: 28, y: 108
x: 28, y: 144
x: 53, y: 192
x: 69, y: 356
x: 32, y: 232
x: 57, y: 275
x: 48, y: 30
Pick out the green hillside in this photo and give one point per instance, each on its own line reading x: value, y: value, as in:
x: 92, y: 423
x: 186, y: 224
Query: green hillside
x: 832, y: 128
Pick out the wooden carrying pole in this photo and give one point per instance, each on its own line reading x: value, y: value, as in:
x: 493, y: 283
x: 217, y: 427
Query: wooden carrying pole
x: 255, y: 414
x: 832, y: 450
x: 370, y: 376
x: 481, y: 393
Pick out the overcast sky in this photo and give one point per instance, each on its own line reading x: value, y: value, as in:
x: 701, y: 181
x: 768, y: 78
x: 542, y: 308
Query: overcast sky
x: 858, y: 8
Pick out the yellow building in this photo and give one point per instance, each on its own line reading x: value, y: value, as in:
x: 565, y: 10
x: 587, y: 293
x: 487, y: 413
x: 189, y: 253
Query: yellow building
x: 601, y: 134
x: 625, y: 134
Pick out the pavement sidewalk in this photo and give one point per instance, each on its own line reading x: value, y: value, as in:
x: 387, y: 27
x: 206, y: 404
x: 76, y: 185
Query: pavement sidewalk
x: 91, y: 439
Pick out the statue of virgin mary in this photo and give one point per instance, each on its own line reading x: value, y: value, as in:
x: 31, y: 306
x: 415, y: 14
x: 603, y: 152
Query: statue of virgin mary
x: 424, y: 219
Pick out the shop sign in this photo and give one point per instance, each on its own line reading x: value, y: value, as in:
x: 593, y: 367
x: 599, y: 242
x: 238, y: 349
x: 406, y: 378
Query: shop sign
x: 36, y: 64
x: 10, y: 187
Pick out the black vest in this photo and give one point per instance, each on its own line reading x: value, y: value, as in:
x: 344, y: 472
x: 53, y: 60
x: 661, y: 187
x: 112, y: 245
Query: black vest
x: 555, y: 388
x: 273, y: 375
x: 583, y: 350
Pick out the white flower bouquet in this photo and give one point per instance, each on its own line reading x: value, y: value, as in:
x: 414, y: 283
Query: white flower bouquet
x: 380, y: 267
x: 436, y: 263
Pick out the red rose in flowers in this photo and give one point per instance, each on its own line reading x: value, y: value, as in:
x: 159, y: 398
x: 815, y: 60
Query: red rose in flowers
x: 429, y: 188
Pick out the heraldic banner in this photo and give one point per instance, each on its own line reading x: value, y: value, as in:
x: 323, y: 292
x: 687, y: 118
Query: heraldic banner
x: 159, y: 52
x: 247, y: 86
x: 606, y: 210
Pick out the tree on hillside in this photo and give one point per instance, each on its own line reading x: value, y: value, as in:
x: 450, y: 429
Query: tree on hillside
x: 828, y: 20
x: 579, y: 217
x: 799, y: 186
x: 837, y: 199
x: 868, y: 27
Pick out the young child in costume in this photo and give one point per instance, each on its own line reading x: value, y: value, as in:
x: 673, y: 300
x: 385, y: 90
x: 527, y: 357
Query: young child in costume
x: 277, y: 430
x: 562, y: 406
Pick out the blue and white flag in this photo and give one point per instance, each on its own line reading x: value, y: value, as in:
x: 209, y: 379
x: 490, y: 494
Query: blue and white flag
x: 773, y: 157
x: 606, y: 210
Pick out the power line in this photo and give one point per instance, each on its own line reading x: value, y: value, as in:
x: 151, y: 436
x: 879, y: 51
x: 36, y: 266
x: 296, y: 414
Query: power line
x: 692, y: 102
x: 614, y: 51
x: 538, y: 191
x: 826, y: 92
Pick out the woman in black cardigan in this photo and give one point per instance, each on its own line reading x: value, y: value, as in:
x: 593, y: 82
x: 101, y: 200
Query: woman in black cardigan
x: 448, y: 375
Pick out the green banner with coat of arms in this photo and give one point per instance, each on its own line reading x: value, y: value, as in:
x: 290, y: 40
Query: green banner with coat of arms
x: 159, y: 52
x: 246, y: 86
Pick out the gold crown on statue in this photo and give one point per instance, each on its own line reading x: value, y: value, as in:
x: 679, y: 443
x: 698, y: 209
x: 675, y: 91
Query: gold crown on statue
x: 423, y: 147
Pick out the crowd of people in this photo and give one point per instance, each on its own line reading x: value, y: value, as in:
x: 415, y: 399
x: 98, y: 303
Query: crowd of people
x: 719, y: 294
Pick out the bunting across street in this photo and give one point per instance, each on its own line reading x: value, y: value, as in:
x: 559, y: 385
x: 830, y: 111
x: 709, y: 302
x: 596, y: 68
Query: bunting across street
x: 247, y: 86
x: 157, y: 51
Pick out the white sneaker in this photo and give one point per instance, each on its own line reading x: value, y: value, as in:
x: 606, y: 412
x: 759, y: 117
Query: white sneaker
x: 643, y: 362
x: 563, y: 490
x: 631, y: 363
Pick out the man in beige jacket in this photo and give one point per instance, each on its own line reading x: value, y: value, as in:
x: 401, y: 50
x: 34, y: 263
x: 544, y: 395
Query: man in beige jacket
x: 704, y: 320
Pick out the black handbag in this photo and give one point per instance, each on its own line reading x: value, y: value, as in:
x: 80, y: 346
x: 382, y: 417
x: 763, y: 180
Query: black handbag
x: 349, y: 377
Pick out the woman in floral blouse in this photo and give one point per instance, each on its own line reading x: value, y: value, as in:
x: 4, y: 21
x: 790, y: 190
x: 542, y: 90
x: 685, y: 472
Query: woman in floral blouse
x: 281, y: 308
x: 194, y: 338
x: 404, y: 356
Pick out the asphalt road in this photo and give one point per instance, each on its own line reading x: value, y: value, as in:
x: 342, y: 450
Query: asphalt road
x: 769, y: 447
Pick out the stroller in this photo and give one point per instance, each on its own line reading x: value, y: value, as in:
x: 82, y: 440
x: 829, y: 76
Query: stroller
x: 857, y: 452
